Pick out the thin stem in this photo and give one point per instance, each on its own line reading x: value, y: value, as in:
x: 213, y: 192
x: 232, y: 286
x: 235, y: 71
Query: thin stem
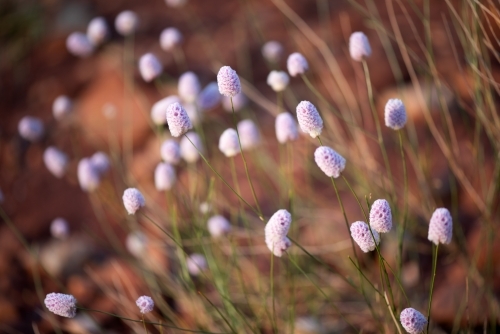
x: 435, y: 249
x: 218, y: 311
x: 392, y: 314
x: 271, y: 278
x: 144, y: 323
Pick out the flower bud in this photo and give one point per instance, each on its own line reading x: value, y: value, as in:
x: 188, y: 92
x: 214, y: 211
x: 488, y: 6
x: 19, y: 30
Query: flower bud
x: 196, y: 263
x: 101, y: 162
x: 218, y: 225
x: 178, y: 120
x: 149, y: 67
x: 239, y: 102
x: 440, y: 227
x: 145, y: 304
x: 188, y: 151
x: 278, y: 80
x: 413, y: 321
x: 296, y: 64
x: 359, y: 47
x: 31, y: 128
x: 188, y: 87
x: 360, y: 232
x: 209, y: 97
x: 136, y: 243
x: 329, y: 161
x: 395, y: 114
x: 97, y: 31
x: 164, y: 177
x: 175, y: 3
x: 309, y: 119
x: 228, y: 143
x: 61, y: 304
x: 88, y: 175
x: 159, y: 109
x: 228, y: 81
x: 272, y: 51
x: 126, y: 22
x: 170, y: 152
x: 62, y: 107
x: 79, y: 45
x: 249, y: 134
x: 381, y: 216
x: 276, y: 230
x: 59, y: 228
x: 170, y: 38
x: 55, y: 161
x: 133, y: 200
x: 286, y: 128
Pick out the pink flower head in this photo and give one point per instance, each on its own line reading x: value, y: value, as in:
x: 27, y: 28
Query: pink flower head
x: 440, y: 227
x: 159, y: 109
x: 133, y: 200
x: 296, y: 64
x: 196, y: 263
x: 149, y: 67
x: 278, y: 80
x: 88, y: 175
x: 228, y: 81
x: 249, y: 134
x: 165, y: 177
x: 276, y: 230
x: 188, y: 151
x: 329, y: 161
x: 272, y: 51
x: 360, y: 232
x: 31, y: 128
x: 381, y: 216
x: 209, y: 97
x: 145, y: 304
x: 170, y: 152
x: 55, y: 161
x: 97, y: 31
x: 126, y: 22
x: 286, y: 128
x: 170, y: 38
x: 218, y: 225
x: 395, y: 114
x: 228, y: 143
x: 413, y: 321
x: 61, y: 304
x: 178, y: 120
x: 188, y: 87
x: 359, y: 47
x: 309, y: 119
x: 79, y: 45
x: 62, y: 107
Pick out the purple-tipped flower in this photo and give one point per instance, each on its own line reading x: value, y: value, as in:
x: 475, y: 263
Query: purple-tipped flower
x: 296, y: 64
x: 272, y: 51
x: 360, y: 232
x: 395, y: 114
x: 55, y: 161
x: 188, y: 151
x: 228, y: 81
x: 381, y: 216
x: 159, y: 109
x: 101, y: 163
x: 136, y: 243
x: 175, y: 3
x: 170, y: 152
x: 133, y: 200
x: 61, y: 304
x: 62, y: 107
x: 196, y: 263
x: 228, y: 143
x: 188, y: 87
x: 88, y: 175
x: 329, y: 161
x: 309, y: 119
x: 59, y: 228
x: 359, y: 46
x: 150, y: 67
x: 170, y: 38
x: 79, y: 45
x: 126, y: 22
x: 276, y: 230
x: 249, y: 134
x: 239, y: 102
x: 30, y: 128
x: 278, y: 80
x: 165, y: 177
x: 209, y: 97
x: 218, y: 225
x: 178, y: 120
x: 413, y: 321
x: 97, y: 31
x: 440, y: 227
x: 286, y: 128
x: 145, y: 304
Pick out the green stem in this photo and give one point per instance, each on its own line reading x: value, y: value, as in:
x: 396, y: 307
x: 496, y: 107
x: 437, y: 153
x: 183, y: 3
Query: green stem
x: 271, y: 278
x: 435, y: 249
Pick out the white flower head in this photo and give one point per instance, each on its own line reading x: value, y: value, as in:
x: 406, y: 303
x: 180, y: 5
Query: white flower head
x: 170, y: 38
x: 145, y: 304
x: 61, y: 304
x: 441, y: 227
x: 178, y: 120
x: 159, y: 109
x: 286, y: 128
x: 62, y: 107
x: 276, y: 231
x: 228, y: 143
x: 381, y: 216
x: 360, y: 232
x: 59, y: 228
x: 296, y: 64
x: 133, y: 200
x: 170, y: 152
x: 249, y: 134
x: 329, y: 161
x: 359, y: 46
x: 413, y: 321
x: 97, y: 31
x: 165, y: 177
x: 278, y: 80
x: 88, y: 175
x: 31, y: 128
x: 228, y: 81
x: 126, y: 22
x: 218, y: 225
x: 209, y: 97
x: 188, y: 87
x: 309, y: 119
x: 149, y: 67
x: 55, y: 161
x: 196, y: 264
x: 395, y: 114
x: 79, y: 45
x: 188, y: 151
x: 272, y: 51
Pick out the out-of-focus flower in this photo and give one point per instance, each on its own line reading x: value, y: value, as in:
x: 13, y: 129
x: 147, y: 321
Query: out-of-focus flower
x: 360, y: 232
x: 218, y: 225
x: 413, y: 321
x: 278, y: 80
x: 272, y: 51
x: 165, y: 177
x: 188, y: 151
x: 133, y: 200
x: 395, y: 114
x: 276, y: 230
x: 175, y: 3
x: 196, y: 264
x: 170, y: 38
x: 193, y: 113
x: 55, y: 161
x: 228, y: 81
x: 329, y: 161
x: 205, y: 208
x: 31, y: 128
x: 239, y: 102
x: 126, y: 22
x: 441, y: 227
x: 309, y: 119
x: 150, y: 67
x: 97, y: 31
x: 88, y: 175
x: 209, y: 97
x: 170, y: 152
x: 145, y: 304
x: 359, y: 46
x: 61, y: 304
x: 136, y: 243
x: 79, y: 45
x: 100, y: 160
x: 188, y: 87
x: 249, y: 134
x: 159, y: 109
x: 59, y: 228
x: 381, y: 216
x: 286, y: 128
x: 178, y: 120
x: 296, y: 64
x: 62, y: 107
x: 228, y: 143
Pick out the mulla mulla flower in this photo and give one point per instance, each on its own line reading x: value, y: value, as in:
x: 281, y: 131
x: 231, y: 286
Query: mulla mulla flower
x: 188, y: 87
x: 276, y: 231
x: 228, y: 81
x: 329, y: 161
x: 145, y: 304
x: 278, y: 80
x: 440, y: 227
x: 359, y: 46
x: 165, y: 177
x: 296, y: 64
x: 228, y: 143
x: 395, y: 114
x: 249, y: 134
x: 413, y: 321
x: 126, y: 22
x: 381, y: 216
x: 133, y: 200
x: 360, y: 232
x: 170, y: 38
x: 178, y: 120
x: 286, y: 128
x: 170, y: 152
x: 272, y: 51
x: 97, y: 31
x: 159, y: 109
x: 149, y: 67
x: 218, y: 225
x: 309, y: 119
x: 61, y: 304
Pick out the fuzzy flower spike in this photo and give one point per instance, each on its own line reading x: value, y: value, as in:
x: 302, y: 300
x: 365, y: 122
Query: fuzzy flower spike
x: 188, y: 87
x: 150, y: 67
x: 133, y: 200
x: 126, y: 22
x: 228, y: 143
x: 145, y: 304
x: 413, y: 321
x: 249, y: 134
x: 381, y: 216
x: 296, y: 64
x: 276, y: 230
x: 359, y: 47
x: 61, y: 304
x: 228, y: 81
x: 395, y: 114
x: 97, y: 31
x: 360, y: 232
x: 272, y: 51
x: 441, y: 227
x: 309, y: 119
x: 286, y: 128
x: 329, y: 161
x: 278, y: 80
x: 178, y: 120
